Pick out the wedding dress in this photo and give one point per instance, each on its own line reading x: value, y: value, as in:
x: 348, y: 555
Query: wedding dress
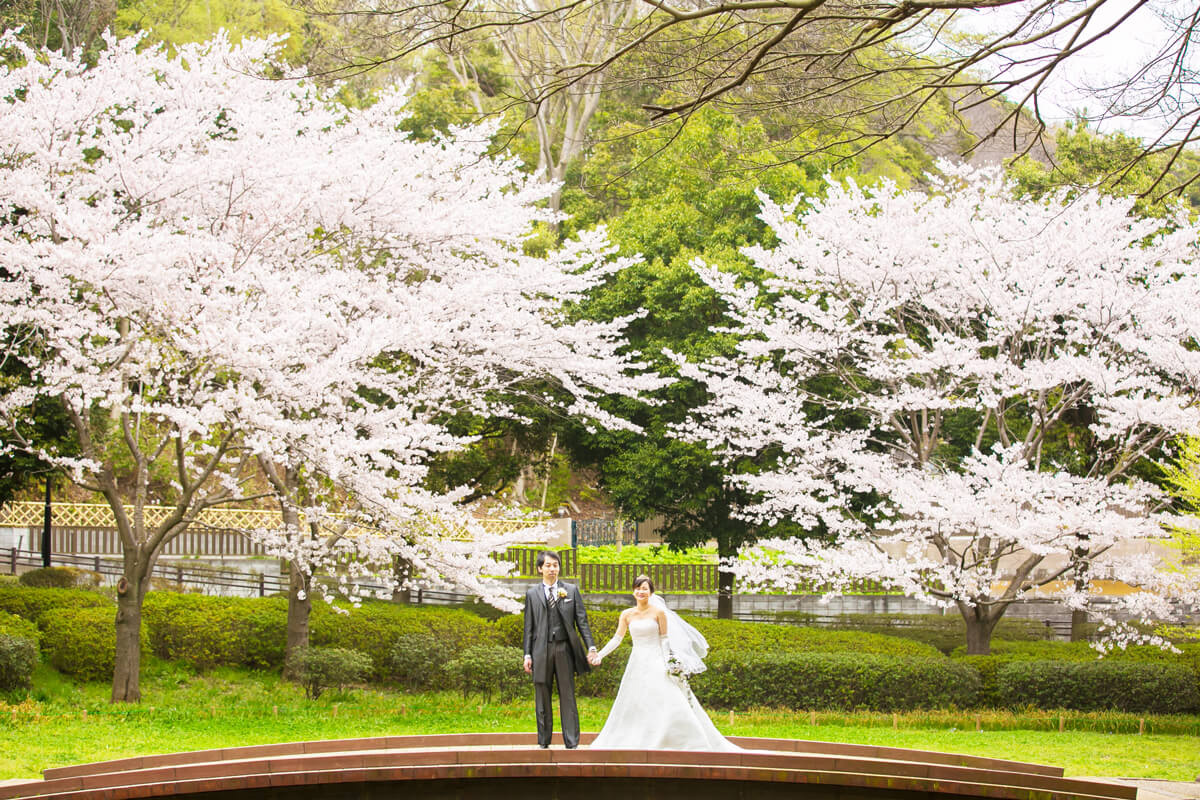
x: 653, y: 710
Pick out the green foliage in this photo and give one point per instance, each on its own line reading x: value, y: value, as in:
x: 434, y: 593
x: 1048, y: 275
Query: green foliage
x: 12, y: 625
x: 945, y: 632
x: 81, y: 642
x: 1098, y: 686
x: 646, y: 554
x: 373, y: 627
x: 321, y: 668
x: 1006, y: 652
x: 207, y: 632
x: 846, y: 681
x: 417, y: 660
x: 59, y: 578
x: 730, y: 636
x: 1111, y: 162
x: 18, y: 658
x: 34, y: 604
x: 488, y: 670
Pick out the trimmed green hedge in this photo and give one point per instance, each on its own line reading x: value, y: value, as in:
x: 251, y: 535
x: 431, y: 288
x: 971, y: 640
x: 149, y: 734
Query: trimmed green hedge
x: 374, y: 627
x: 82, y: 641
x: 33, y: 603
x: 208, y: 632
x: 1098, y: 686
x: 59, y: 578
x: 12, y: 625
x: 1068, y: 652
x: 844, y: 681
x: 944, y: 632
x: 488, y: 670
x: 725, y: 635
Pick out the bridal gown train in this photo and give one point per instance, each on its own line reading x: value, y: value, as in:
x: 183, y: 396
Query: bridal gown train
x: 652, y: 711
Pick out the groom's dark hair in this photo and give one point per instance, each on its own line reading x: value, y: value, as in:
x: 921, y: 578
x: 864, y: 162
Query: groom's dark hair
x: 542, y: 556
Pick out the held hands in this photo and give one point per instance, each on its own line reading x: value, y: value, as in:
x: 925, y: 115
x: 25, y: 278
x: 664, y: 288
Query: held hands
x: 593, y: 658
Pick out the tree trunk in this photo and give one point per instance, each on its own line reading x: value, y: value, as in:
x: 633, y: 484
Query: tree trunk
x: 724, y: 581
x: 402, y: 570
x: 1079, y: 618
x: 299, y: 584
x: 126, y: 686
x: 980, y: 624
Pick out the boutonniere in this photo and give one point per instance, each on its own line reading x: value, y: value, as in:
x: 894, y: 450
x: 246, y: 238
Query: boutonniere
x: 562, y: 594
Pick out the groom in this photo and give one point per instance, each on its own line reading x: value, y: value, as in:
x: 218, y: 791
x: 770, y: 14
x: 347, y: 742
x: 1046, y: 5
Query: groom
x: 554, y: 649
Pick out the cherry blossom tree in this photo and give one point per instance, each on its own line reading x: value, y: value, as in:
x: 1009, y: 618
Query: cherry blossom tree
x: 958, y: 394
x: 213, y: 271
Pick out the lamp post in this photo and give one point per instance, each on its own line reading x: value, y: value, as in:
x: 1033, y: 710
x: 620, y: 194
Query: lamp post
x: 46, y: 524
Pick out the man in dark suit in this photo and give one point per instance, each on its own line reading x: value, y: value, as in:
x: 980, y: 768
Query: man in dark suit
x: 558, y: 643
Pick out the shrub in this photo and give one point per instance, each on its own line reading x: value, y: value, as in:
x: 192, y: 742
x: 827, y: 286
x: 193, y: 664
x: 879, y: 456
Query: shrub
x: 217, y: 631
x: 321, y: 668
x: 374, y: 627
x: 844, y: 681
x: 81, y: 641
x: 487, y: 670
x: 417, y: 660
x: 944, y: 632
x: 59, y: 578
x: 1098, y: 686
x: 12, y: 625
x: 34, y: 604
x: 18, y: 658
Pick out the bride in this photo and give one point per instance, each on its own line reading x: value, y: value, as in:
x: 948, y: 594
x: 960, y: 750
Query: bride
x: 655, y: 709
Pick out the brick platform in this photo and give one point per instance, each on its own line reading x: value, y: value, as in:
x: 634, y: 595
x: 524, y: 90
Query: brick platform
x: 510, y: 765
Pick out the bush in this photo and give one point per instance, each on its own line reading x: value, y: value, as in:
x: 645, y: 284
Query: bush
x: 488, y: 670
x: 842, y: 681
x: 1098, y: 686
x: 417, y: 660
x: 81, y: 641
x: 217, y: 631
x: 18, y: 658
x: 321, y: 668
x: 1004, y: 652
x: 12, y: 625
x: 34, y: 604
x: 944, y: 632
x: 59, y: 578
x: 374, y: 627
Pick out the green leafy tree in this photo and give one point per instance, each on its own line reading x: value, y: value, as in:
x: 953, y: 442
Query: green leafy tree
x: 693, y: 194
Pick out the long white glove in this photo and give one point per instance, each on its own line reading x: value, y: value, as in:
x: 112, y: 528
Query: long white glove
x: 665, y: 643
x: 612, y: 645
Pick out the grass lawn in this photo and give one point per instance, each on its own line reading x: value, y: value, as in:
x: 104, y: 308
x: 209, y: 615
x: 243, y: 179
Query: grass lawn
x: 67, y: 723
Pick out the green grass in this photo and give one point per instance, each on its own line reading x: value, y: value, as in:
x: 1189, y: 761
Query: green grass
x: 66, y: 723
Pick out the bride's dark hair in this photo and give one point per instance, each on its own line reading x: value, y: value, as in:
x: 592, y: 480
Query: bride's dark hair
x: 640, y: 579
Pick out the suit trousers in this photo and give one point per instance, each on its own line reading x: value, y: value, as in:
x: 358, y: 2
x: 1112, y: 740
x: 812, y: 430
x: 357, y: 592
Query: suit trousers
x: 562, y: 672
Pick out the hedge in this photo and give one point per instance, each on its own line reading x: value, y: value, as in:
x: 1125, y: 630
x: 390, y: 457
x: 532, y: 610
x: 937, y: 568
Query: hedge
x: 82, y: 641
x: 843, y: 681
x: 374, y: 627
x: 33, y: 603
x: 1098, y: 686
x: 944, y: 632
x: 12, y: 625
x: 217, y: 631
x: 725, y: 635
x: 59, y: 578
x: 1003, y: 652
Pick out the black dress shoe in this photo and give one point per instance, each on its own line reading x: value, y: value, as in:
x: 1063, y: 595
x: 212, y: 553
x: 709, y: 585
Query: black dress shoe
x: 544, y: 746
x: 572, y: 747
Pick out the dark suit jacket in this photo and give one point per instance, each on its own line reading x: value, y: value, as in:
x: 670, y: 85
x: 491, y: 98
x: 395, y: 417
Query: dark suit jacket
x: 537, y: 628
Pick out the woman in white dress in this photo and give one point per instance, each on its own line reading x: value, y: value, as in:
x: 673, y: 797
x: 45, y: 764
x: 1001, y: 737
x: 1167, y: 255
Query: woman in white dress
x: 654, y: 709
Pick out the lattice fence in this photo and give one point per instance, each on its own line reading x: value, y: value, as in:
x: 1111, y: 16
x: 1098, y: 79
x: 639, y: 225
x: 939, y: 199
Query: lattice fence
x: 91, y: 528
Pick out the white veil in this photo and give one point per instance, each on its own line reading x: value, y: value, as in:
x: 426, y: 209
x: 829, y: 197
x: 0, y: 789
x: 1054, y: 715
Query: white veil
x: 687, y: 644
